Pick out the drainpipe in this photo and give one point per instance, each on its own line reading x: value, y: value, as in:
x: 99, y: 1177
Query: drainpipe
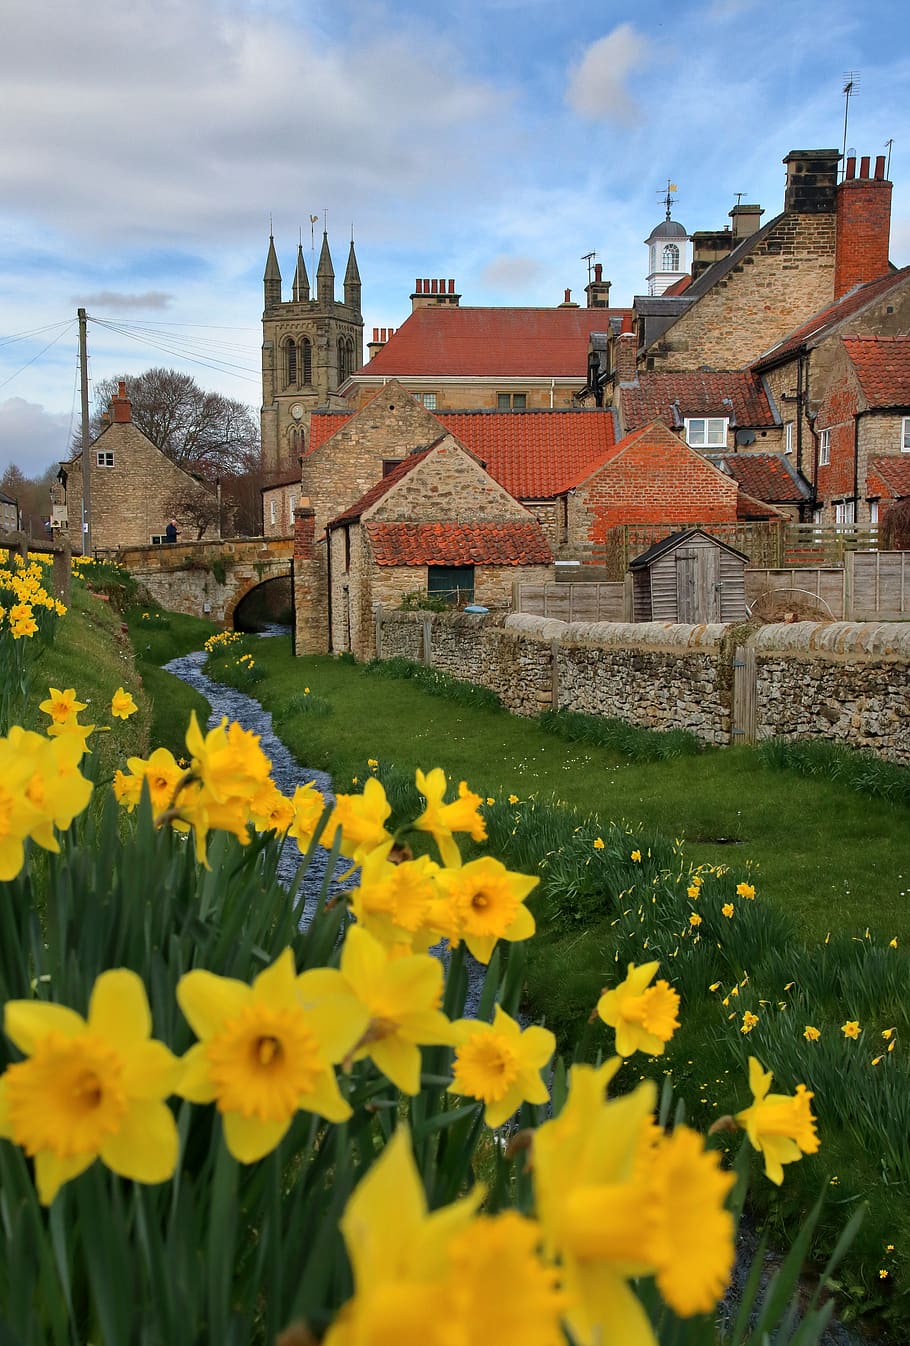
x: 856, y: 468
x: 328, y: 571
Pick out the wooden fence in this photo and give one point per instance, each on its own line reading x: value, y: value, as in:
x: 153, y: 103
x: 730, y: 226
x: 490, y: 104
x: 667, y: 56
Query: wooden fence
x: 573, y: 602
x: 770, y: 544
x: 878, y: 586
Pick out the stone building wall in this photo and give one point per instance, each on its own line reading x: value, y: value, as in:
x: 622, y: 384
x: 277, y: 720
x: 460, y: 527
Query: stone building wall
x: 846, y: 681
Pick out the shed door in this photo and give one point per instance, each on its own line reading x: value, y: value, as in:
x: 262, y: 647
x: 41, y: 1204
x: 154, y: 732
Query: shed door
x: 697, y: 585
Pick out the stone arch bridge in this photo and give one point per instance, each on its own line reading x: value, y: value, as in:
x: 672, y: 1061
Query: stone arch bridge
x: 208, y: 579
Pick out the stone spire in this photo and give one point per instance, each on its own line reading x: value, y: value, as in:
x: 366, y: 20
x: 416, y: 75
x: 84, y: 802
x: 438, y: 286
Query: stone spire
x: 352, y: 282
x: 272, y: 277
x: 325, y: 274
x: 301, y: 290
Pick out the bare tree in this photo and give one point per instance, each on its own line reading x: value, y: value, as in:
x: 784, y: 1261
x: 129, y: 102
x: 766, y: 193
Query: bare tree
x: 203, y: 432
x: 896, y: 526
x: 197, y: 504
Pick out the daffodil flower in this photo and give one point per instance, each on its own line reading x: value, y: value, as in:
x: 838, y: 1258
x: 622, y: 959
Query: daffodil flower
x: 643, y: 1016
x: 442, y: 820
x: 500, y: 1064
x: 264, y: 1053
x: 90, y: 1088
x: 780, y: 1126
x: 123, y: 705
x: 487, y: 904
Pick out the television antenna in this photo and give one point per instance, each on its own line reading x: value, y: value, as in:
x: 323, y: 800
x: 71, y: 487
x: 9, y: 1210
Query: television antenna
x: 851, y: 88
x: 589, y: 258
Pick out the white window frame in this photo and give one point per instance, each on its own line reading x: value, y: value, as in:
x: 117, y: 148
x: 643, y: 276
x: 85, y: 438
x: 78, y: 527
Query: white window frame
x: 707, y: 437
x: 824, y: 448
x: 522, y: 405
x: 905, y: 434
x: 873, y: 512
x: 844, y: 513
x: 292, y: 504
x: 788, y: 436
x: 104, y: 458
x: 272, y: 511
x: 429, y: 400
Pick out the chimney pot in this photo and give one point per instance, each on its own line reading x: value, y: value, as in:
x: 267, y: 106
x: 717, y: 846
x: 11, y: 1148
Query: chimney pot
x: 598, y: 272
x: 851, y: 167
x: 626, y: 329
x: 435, y: 287
x: 375, y: 333
x: 418, y: 287
x: 864, y: 166
x: 568, y: 298
x: 880, y: 167
x: 451, y: 287
x: 426, y: 286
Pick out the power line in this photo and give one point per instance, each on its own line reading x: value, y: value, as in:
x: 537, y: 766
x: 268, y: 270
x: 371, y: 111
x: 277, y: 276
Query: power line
x: 221, y: 366
x: 35, y: 331
x: 22, y: 368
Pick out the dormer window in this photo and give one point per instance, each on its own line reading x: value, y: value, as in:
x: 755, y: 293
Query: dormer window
x: 706, y: 432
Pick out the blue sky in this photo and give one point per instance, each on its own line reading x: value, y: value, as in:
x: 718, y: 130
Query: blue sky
x: 491, y: 141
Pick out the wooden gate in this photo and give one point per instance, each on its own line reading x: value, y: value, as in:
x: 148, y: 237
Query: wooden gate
x: 743, y: 729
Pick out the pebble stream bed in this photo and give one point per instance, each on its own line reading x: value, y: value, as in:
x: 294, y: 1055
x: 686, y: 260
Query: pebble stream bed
x: 288, y: 774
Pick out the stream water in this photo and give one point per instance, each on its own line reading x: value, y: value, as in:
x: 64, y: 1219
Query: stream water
x: 288, y: 774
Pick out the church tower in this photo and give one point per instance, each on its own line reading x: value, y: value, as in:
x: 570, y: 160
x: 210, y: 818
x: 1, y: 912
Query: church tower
x: 309, y: 347
x: 667, y: 246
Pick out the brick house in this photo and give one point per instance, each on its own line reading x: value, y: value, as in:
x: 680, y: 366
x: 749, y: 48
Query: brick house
x: 134, y: 487
x: 716, y: 412
x: 772, y: 478
x: 437, y: 522
x: 649, y: 477
x: 863, y: 428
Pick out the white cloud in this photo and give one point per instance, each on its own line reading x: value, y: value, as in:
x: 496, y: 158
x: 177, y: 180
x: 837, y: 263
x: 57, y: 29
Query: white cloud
x: 597, y: 88
x: 32, y: 437
x: 512, y: 274
x: 154, y: 299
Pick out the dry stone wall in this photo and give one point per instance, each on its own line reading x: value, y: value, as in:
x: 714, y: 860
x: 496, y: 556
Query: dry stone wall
x: 848, y: 681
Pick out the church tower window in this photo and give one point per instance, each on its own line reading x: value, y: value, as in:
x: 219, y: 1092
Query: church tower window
x: 290, y: 355
x: 306, y: 361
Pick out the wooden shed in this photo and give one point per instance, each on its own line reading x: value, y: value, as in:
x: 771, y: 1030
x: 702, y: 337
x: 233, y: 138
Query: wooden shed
x: 689, y: 577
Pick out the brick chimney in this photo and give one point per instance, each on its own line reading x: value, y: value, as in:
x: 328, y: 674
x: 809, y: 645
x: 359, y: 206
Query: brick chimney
x: 433, y: 293
x: 746, y: 219
x: 304, y: 530
x: 625, y: 348
x: 863, y: 225
x: 567, y: 301
x: 121, y: 407
x: 380, y: 336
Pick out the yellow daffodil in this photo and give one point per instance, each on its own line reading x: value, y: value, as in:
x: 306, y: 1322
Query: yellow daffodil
x: 499, y: 1289
x: 90, y: 1088
x: 486, y: 901
x: 746, y: 890
x: 270, y: 810
x: 397, y: 997
x: 309, y: 806
x: 161, y: 774
x: 513, y: 799
x: 398, y: 1254
x: 500, y: 1064
x: 72, y: 729
x: 616, y: 1202
x: 636, y: 856
x: 264, y: 1053
x: 727, y: 910
x: 851, y: 1028
x: 228, y: 760
x: 811, y: 1034
x: 598, y: 843
x: 694, y: 891
x: 749, y: 1022
x: 399, y: 904
x: 361, y: 819
x: 780, y: 1126
x: 643, y: 1016
x: 442, y: 820
x: 62, y: 706
x: 694, y: 918
x: 123, y: 705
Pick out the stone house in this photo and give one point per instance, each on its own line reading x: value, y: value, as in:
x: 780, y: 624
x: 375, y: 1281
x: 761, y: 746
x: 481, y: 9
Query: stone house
x: 811, y: 367
x: 134, y: 488
x: 437, y: 523
x: 716, y: 412
x: 772, y: 478
x: 498, y: 359
x: 9, y: 514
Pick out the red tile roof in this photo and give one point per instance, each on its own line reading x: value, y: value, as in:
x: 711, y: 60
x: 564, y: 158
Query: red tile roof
x: 882, y: 366
x: 323, y: 425
x: 455, y: 544
x: 766, y: 476
x: 811, y: 332
x: 491, y: 343
x: 698, y: 394
x: 532, y: 453
x: 378, y: 489
x: 678, y: 287
x: 747, y: 507
x: 894, y: 470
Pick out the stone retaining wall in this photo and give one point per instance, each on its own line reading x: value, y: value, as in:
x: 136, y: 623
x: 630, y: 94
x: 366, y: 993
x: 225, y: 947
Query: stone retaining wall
x: 849, y: 681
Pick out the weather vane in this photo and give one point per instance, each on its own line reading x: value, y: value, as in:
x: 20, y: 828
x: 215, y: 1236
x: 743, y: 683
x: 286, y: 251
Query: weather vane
x: 667, y: 197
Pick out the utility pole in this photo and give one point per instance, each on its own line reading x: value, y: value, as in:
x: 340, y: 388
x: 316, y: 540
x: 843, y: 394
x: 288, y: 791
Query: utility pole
x: 86, y: 464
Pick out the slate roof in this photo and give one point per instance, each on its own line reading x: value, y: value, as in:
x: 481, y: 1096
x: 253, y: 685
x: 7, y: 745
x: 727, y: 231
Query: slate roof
x: 767, y: 476
x: 819, y: 326
x: 894, y: 470
x: 379, y: 488
x: 490, y: 343
x: 882, y: 365
x: 698, y: 393
x: 456, y: 544
x: 532, y: 453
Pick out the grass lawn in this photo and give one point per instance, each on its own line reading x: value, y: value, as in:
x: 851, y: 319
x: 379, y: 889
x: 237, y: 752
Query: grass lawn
x: 827, y: 855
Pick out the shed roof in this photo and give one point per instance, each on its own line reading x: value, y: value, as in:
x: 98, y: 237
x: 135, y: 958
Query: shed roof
x: 668, y: 544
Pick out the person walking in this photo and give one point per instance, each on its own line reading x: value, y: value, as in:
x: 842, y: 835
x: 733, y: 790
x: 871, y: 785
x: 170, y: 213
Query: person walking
x: 170, y: 533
